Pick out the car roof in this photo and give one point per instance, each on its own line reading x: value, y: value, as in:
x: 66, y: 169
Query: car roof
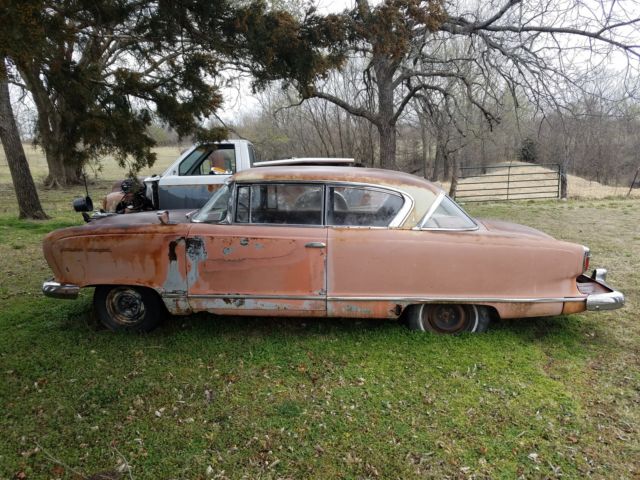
x: 373, y: 176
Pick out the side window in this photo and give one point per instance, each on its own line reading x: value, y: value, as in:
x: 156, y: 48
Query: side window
x: 211, y: 159
x: 449, y: 215
x: 362, y: 207
x: 278, y: 203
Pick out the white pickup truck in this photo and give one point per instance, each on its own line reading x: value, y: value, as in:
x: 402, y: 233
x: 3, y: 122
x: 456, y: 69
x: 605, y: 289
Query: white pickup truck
x: 191, y: 180
x: 188, y: 182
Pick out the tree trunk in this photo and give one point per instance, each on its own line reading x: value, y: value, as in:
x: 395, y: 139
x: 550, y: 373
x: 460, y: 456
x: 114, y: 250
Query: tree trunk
x: 386, y: 122
x: 387, y: 134
x: 439, y: 160
x: 454, y: 176
x: 26, y: 193
x: 425, y: 146
x: 51, y: 132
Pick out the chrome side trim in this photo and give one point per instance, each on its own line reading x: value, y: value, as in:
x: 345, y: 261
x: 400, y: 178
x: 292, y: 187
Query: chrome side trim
x: 597, y: 302
x: 605, y: 301
x: 60, y: 290
x: 458, y: 299
x: 258, y: 297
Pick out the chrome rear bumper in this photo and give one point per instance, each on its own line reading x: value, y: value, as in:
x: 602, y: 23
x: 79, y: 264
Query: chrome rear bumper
x: 60, y: 290
x: 604, y: 301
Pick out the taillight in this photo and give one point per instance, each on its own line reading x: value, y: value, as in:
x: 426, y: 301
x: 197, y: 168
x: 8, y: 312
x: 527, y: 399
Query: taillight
x: 585, y: 259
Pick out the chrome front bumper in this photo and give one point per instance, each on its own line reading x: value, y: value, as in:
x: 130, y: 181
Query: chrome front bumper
x: 604, y: 301
x: 60, y: 290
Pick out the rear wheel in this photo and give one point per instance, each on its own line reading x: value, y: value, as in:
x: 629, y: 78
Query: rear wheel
x: 122, y: 308
x: 448, y: 318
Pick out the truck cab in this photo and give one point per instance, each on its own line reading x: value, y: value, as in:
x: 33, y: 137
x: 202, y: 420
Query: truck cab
x: 197, y: 173
x: 188, y: 182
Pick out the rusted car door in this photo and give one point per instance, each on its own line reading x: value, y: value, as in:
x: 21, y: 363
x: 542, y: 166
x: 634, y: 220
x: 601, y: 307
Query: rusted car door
x: 256, y: 266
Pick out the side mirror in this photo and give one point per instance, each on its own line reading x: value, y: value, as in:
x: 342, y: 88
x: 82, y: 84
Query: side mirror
x: 83, y: 204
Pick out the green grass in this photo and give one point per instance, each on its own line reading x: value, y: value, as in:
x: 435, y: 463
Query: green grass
x: 231, y: 397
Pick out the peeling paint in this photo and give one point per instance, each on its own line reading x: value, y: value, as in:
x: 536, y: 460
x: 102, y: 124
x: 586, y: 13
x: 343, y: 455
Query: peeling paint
x: 196, y: 253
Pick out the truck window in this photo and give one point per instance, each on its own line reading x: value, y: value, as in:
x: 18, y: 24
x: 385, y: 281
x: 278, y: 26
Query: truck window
x: 212, y: 159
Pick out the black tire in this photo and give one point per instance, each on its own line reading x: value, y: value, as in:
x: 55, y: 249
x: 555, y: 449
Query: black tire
x: 126, y: 308
x: 448, y: 319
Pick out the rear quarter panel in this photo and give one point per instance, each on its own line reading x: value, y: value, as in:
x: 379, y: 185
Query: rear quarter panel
x: 440, y: 264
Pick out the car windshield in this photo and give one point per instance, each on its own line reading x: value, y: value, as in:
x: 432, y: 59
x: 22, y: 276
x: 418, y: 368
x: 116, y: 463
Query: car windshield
x: 215, y: 210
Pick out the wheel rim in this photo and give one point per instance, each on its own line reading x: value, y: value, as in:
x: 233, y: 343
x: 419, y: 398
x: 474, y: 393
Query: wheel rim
x: 445, y: 318
x: 125, y: 306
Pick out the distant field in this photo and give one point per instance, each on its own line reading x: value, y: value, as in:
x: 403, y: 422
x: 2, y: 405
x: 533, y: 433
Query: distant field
x: 110, y: 169
x: 532, y: 178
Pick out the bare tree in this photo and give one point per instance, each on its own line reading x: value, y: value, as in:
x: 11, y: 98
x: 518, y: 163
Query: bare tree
x: 534, y: 49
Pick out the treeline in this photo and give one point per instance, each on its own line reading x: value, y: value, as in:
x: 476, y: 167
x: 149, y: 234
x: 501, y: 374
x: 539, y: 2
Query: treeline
x: 418, y: 85
x: 591, y: 136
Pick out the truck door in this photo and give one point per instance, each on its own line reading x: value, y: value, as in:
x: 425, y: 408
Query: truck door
x: 200, y: 173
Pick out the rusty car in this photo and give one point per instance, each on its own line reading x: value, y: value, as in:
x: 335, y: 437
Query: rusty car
x: 324, y: 241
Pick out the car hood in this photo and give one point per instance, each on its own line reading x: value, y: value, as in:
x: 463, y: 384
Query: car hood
x: 509, y: 228
x: 141, y: 218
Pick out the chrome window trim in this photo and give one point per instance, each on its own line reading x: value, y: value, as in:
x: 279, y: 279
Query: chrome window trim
x: 434, y: 206
x: 397, y: 221
x: 400, y: 217
x: 250, y: 184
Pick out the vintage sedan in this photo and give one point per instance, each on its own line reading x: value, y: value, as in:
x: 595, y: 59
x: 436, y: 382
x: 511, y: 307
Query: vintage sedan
x: 323, y: 242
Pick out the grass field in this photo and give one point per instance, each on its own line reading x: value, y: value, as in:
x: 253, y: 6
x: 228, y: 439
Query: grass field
x: 212, y: 397
x: 108, y: 170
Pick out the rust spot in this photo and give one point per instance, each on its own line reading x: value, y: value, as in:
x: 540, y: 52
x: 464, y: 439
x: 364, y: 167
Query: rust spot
x: 195, y: 248
x: 172, y: 250
x: 573, y: 307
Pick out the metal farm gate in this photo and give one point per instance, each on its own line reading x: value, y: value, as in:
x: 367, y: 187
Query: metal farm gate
x: 508, y: 182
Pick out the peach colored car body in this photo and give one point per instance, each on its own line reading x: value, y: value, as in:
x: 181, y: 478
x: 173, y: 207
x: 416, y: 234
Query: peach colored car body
x: 365, y: 272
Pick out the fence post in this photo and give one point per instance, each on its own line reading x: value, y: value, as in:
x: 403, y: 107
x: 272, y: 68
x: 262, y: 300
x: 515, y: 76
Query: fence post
x: 633, y: 182
x: 563, y: 181
x: 508, y: 180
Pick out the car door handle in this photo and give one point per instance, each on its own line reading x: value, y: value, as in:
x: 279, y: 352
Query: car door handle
x: 316, y: 245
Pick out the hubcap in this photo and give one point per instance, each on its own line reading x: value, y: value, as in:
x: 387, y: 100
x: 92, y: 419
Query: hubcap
x: 125, y: 305
x: 446, y: 318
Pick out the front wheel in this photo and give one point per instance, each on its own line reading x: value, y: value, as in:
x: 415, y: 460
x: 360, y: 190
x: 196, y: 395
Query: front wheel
x: 126, y: 308
x: 448, y: 318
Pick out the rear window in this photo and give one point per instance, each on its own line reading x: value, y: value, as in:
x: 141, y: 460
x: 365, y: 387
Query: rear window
x: 362, y: 207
